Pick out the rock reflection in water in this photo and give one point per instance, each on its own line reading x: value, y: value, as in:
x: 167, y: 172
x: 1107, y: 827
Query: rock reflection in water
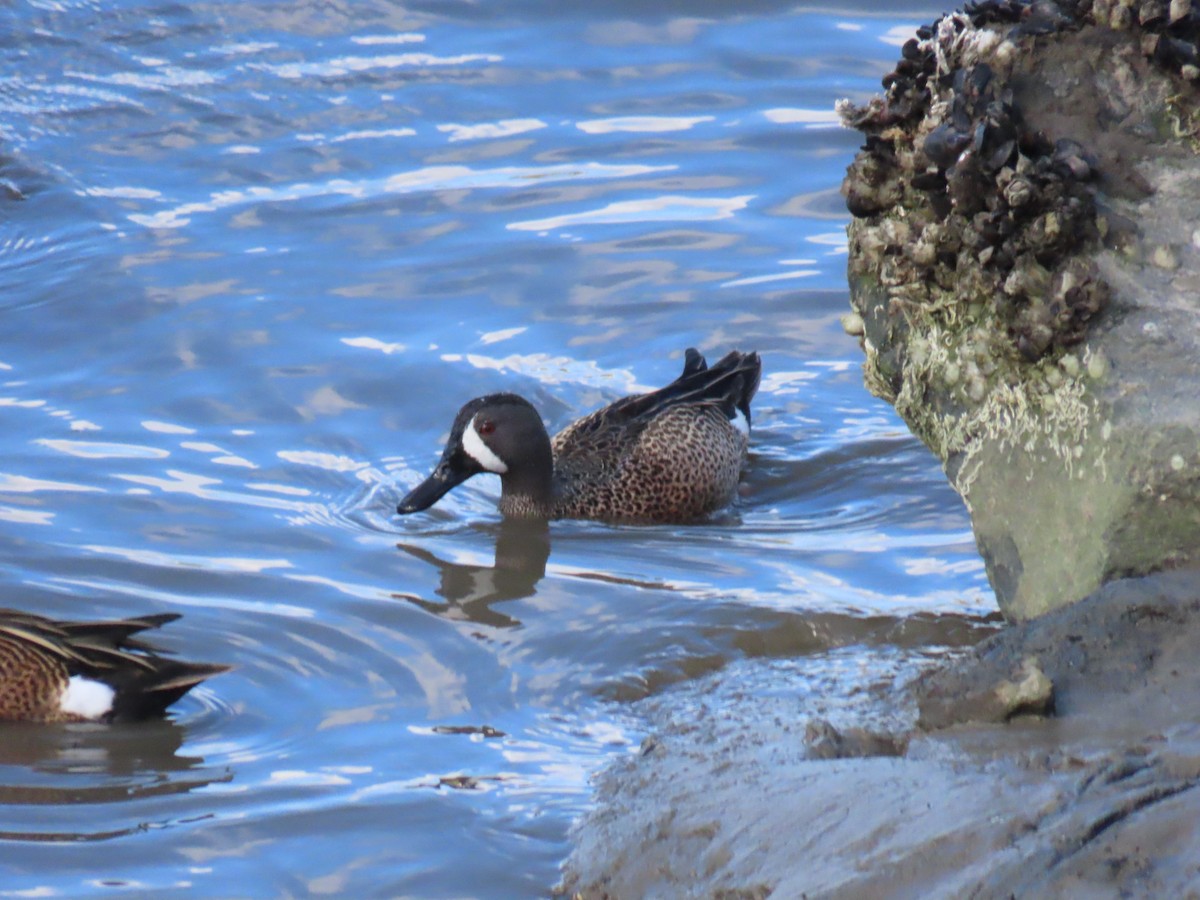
x: 469, y: 591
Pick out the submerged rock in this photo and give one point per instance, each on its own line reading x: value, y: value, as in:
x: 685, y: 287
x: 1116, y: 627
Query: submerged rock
x: 1024, y: 263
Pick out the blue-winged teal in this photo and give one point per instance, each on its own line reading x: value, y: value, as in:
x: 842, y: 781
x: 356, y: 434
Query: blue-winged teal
x: 56, y: 671
x: 671, y: 455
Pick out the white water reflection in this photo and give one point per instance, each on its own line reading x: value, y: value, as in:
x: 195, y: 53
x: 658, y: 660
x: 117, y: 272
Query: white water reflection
x: 20, y: 484
x: 179, y: 598
x: 287, y: 489
x: 782, y: 384
x: 325, y: 401
x: 641, y: 124
x: 331, y: 462
x: 670, y: 208
x: 218, y: 455
x: 300, y: 777
x: 103, y: 450
x: 836, y: 240
x: 363, y: 134
x: 501, y: 129
x: 245, y: 48
x: 431, y: 178
x: 166, y: 427
x: 346, y: 65
x: 121, y: 192
x: 548, y: 369
x: 406, y: 37
x: 156, y: 77
x: 25, y: 516
x: 146, y: 557
x: 824, y: 118
x: 899, y: 35
x: 370, y: 343
x: 778, y: 276
x: 358, y: 591
x: 503, y: 334
x: 936, y: 565
x: 202, y: 488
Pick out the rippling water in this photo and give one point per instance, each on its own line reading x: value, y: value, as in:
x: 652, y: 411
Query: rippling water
x: 253, y: 258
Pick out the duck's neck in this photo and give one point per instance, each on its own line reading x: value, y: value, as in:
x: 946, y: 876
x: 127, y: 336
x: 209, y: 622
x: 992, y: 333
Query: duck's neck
x: 528, y: 490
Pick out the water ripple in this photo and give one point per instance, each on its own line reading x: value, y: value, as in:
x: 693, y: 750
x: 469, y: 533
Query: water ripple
x: 432, y: 179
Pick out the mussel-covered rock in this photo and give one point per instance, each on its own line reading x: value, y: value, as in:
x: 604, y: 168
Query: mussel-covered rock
x: 1023, y: 265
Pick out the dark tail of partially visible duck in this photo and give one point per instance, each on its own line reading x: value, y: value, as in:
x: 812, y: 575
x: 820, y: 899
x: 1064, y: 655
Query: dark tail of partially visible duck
x: 144, y: 680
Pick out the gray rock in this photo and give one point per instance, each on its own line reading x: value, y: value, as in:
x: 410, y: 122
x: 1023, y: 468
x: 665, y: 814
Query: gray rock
x: 1025, y: 265
x: 1100, y: 800
x: 1024, y: 690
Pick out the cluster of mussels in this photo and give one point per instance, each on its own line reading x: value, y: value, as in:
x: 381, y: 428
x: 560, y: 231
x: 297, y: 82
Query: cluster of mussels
x: 1019, y: 205
x: 1003, y: 210
x: 1170, y: 29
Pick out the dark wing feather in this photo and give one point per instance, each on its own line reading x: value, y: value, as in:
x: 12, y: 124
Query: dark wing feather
x: 729, y: 385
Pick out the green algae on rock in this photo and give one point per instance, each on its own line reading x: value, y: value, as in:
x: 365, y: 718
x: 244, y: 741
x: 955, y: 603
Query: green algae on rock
x: 1023, y: 269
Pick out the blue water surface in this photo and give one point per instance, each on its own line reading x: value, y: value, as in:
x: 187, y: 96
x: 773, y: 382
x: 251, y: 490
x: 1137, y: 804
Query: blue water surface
x: 253, y: 257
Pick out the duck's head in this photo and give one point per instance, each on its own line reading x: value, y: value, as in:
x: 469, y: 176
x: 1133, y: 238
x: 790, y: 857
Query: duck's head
x: 500, y: 433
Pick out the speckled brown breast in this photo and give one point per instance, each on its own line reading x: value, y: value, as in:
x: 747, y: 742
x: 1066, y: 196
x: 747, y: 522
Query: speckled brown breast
x: 31, y: 682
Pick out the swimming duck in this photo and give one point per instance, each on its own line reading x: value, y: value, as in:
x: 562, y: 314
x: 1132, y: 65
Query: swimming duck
x: 64, y: 671
x: 670, y: 455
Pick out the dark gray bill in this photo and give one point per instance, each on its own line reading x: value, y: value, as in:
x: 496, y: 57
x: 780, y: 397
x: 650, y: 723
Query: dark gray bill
x: 432, y: 489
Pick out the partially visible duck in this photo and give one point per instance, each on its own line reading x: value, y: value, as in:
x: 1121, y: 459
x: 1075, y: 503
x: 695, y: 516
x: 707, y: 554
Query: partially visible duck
x: 66, y: 671
x: 670, y: 455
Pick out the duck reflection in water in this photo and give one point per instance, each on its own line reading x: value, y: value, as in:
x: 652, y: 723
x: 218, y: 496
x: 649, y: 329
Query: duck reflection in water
x: 469, y: 591
x: 76, y: 764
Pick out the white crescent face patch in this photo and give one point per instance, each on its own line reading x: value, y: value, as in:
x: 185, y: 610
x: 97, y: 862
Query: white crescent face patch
x: 475, y: 448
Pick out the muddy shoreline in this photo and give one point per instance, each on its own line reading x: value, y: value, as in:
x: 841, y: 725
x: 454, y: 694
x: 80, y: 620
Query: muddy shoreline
x: 1096, y: 795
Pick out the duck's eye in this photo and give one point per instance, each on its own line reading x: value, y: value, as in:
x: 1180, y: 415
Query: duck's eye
x: 487, y: 426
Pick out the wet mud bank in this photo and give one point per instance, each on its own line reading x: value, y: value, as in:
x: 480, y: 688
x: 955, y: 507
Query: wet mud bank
x: 1083, y: 785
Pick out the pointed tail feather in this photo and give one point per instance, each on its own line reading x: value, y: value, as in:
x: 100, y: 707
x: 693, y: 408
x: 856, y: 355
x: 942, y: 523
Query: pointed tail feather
x: 751, y: 369
x: 731, y: 382
x: 149, y: 694
x: 693, y: 362
x: 114, y: 633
